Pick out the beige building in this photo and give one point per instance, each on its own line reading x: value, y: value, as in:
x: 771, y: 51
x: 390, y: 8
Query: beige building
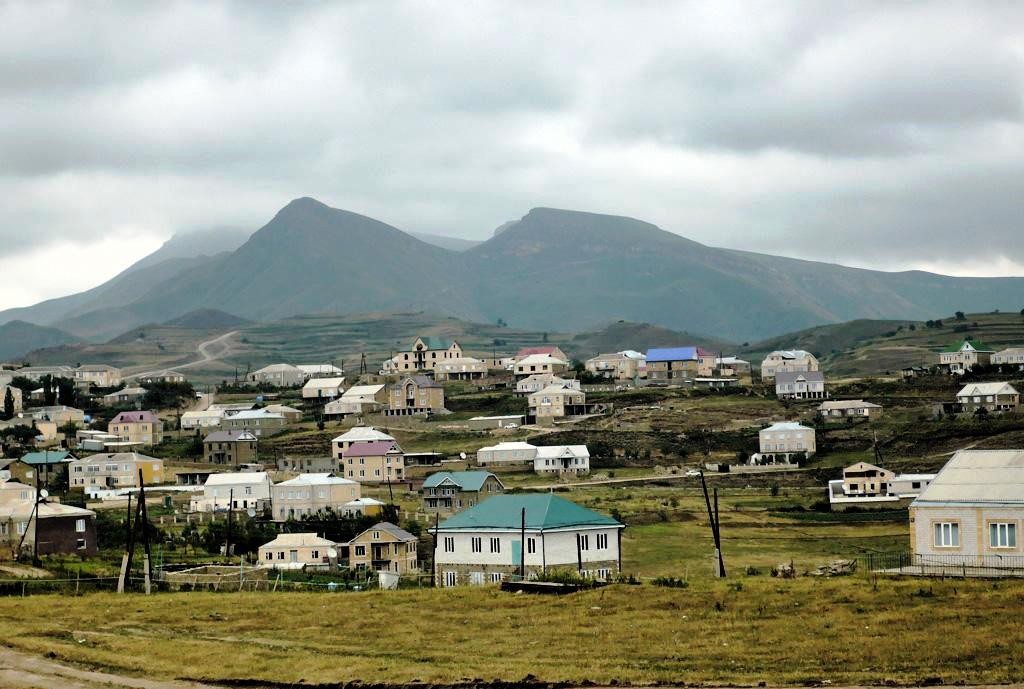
x: 309, y: 494
x: 207, y: 418
x: 450, y: 491
x: 165, y: 376
x: 358, y: 399
x: 788, y: 361
x: 323, y: 389
x: 535, y: 364
x: 115, y: 470
x: 415, y: 395
x: 297, y: 550
x: 971, y: 514
x: 379, y: 461
x: 141, y: 427
x: 960, y: 359
x: 258, y: 421
x: 732, y: 367
x: 98, y: 375
x: 506, y: 454
x: 799, y: 386
x: 626, y: 365
x: 993, y: 397
x: 783, y: 443
x: 231, y: 448
x: 425, y: 354
x: 239, y: 490
x: 279, y: 376
x: 550, y: 350
x: 124, y: 397
x: 539, y: 381
x: 557, y: 401
x: 849, y: 409
x: 667, y: 365
x: 384, y: 547
x: 1012, y: 356
x: 357, y: 434
x: 866, y: 480
x: 460, y: 368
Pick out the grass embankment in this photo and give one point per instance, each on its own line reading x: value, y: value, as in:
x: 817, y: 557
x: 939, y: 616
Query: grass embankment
x: 738, y: 632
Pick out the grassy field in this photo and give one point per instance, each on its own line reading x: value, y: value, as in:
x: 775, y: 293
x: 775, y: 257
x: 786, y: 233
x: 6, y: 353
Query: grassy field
x: 741, y: 631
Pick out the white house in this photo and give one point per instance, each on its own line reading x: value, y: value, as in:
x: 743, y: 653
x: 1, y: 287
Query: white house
x: 788, y: 361
x: 279, y: 375
x: 540, y: 363
x: 323, y: 388
x: 562, y: 459
x: 308, y: 494
x: 357, y: 434
x: 782, y: 442
x: 808, y: 385
x: 1011, y: 356
x: 988, y: 396
x: 867, y: 485
x: 972, y: 513
x: 207, y: 418
x: 358, y: 399
x: 243, y: 490
x: 538, y: 382
x: 297, y: 550
x: 509, y: 453
x: 525, y: 534
x: 320, y: 370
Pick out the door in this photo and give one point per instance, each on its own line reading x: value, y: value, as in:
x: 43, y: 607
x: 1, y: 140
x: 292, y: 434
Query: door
x: 293, y: 555
x: 517, y: 552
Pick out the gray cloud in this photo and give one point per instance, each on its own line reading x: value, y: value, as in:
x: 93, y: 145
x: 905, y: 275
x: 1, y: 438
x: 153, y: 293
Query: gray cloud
x: 867, y: 133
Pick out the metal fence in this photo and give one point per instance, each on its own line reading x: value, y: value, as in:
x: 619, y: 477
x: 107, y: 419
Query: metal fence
x: 951, y: 566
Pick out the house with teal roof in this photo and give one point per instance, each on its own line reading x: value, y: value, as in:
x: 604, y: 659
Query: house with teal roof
x: 50, y: 465
x: 451, y: 491
x: 961, y: 358
x: 425, y: 354
x: 525, y: 535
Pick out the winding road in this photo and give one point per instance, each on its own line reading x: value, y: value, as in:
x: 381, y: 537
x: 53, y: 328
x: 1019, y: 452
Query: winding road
x: 208, y: 351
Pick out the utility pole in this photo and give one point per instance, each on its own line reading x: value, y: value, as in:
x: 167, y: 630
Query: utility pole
x: 713, y: 519
x: 522, y: 546
x: 126, y: 560
x: 148, y: 563
x: 227, y: 542
x: 433, y: 555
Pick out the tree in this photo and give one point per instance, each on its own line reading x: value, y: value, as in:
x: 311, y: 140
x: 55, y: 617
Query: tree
x: 960, y: 316
x: 8, y: 412
x: 49, y: 394
x: 67, y: 392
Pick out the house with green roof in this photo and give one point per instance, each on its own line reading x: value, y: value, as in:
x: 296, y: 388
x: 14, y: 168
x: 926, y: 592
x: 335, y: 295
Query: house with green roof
x: 961, y: 358
x: 451, y: 491
x: 424, y: 355
x: 51, y: 466
x: 525, y: 535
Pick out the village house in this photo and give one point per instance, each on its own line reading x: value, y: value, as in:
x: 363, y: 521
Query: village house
x: 549, y: 350
x: 358, y: 399
x: 59, y: 414
x: 675, y: 364
x: 378, y: 461
x: 207, y: 418
x: 625, y: 366
x: 506, y: 454
x: 124, y: 397
x: 17, y: 399
x: 1012, y: 356
x: 311, y: 371
x: 540, y: 364
x: 562, y: 460
x: 415, y: 395
x: 164, y: 376
x: 460, y: 368
x: 50, y: 527
x: 323, y: 389
x: 142, y: 427
x: 732, y: 367
x: 363, y: 507
x: 485, y: 543
x: 296, y: 551
x: 279, y: 376
x: 290, y: 414
x: 357, y: 434
x: 384, y: 547
x: 972, y: 512
x: 961, y: 358
x: 37, y: 373
x: 114, y: 470
x: 486, y: 423
x: 556, y: 402
x: 992, y: 397
x: 243, y: 490
x: 98, y: 375
x: 867, y: 485
x: 788, y: 361
x: 309, y: 494
x: 539, y: 381
x: 784, y: 443
x: 809, y: 385
x: 424, y: 355
x: 849, y: 409
x: 230, y: 448
x: 257, y: 421
x: 51, y: 466
x: 451, y: 491
x: 309, y: 464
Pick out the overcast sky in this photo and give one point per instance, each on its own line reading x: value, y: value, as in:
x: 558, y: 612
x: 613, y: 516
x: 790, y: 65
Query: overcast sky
x: 882, y: 135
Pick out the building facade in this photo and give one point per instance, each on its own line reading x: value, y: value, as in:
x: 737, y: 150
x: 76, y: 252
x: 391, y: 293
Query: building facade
x: 961, y: 358
x: 384, y: 547
x: 309, y: 494
x: 787, y: 361
x: 141, y: 427
x: 447, y: 492
x: 415, y: 395
x: 800, y: 386
x: 231, y: 448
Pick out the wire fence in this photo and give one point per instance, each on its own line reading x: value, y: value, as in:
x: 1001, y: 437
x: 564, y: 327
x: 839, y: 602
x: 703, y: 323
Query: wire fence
x: 948, y: 566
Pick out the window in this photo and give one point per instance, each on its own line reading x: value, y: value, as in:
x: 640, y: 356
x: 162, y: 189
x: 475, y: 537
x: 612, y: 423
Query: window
x: 270, y: 556
x: 280, y: 555
x: 449, y: 544
x: 584, y: 541
x: 316, y: 554
x: 360, y: 550
x: 603, y: 573
x: 476, y: 578
x: 531, y: 545
x: 1002, y: 535
x: 602, y: 541
x: 477, y: 544
x: 80, y: 544
x: 79, y: 526
x: 22, y: 528
x: 496, y: 577
x: 451, y: 578
x: 947, y: 535
x: 495, y: 545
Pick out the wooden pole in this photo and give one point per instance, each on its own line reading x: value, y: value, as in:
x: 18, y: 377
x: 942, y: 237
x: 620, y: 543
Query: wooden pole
x: 143, y: 513
x: 579, y: 555
x: 712, y: 524
x: 433, y: 555
x: 126, y: 560
x: 227, y: 535
x: 718, y: 539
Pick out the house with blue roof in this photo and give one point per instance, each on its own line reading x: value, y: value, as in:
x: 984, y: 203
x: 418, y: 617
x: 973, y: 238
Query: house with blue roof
x: 668, y: 364
x: 525, y: 535
x: 451, y: 491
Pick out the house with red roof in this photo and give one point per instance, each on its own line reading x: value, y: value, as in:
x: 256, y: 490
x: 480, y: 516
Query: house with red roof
x: 142, y: 427
x: 376, y: 461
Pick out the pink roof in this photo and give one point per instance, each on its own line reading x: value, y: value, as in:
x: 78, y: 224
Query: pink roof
x: 375, y: 448
x: 529, y: 351
x: 134, y: 417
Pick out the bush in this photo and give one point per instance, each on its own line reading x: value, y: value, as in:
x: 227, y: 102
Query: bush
x: 671, y: 582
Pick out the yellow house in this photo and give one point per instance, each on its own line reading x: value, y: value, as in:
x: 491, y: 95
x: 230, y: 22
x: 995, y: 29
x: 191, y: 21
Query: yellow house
x: 385, y: 547
x: 115, y: 470
x: 137, y: 427
x: 415, y: 395
x: 297, y: 550
x: 425, y: 354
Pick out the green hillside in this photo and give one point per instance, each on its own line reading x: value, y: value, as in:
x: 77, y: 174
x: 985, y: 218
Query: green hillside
x: 17, y: 338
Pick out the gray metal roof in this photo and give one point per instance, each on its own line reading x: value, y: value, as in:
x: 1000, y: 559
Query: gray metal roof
x: 978, y: 477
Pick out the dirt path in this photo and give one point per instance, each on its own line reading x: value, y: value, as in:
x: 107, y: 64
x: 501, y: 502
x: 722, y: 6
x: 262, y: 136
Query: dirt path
x: 20, y: 670
x: 208, y: 351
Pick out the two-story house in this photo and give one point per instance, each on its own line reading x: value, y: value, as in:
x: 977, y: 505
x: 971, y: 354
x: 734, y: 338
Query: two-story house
x: 384, y: 547
x: 787, y: 361
x: 141, y: 427
x: 378, y: 461
x: 415, y: 395
x: 309, y: 494
x: 809, y: 385
x: 451, y: 491
x: 961, y: 358
x: 992, y: 397
x: 114, y: 470
x: 231, y: 448
x: 625, y: 366
x: 424, y: 355
x: 241, y: 490
x: 556, y: 402
x: 783, y: 443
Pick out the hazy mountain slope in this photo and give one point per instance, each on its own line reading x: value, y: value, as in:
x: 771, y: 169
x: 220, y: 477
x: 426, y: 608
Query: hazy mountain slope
x: 18, y: 338
x: 449, y: 243
x: 205, y: 242
x: 208, y: 319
